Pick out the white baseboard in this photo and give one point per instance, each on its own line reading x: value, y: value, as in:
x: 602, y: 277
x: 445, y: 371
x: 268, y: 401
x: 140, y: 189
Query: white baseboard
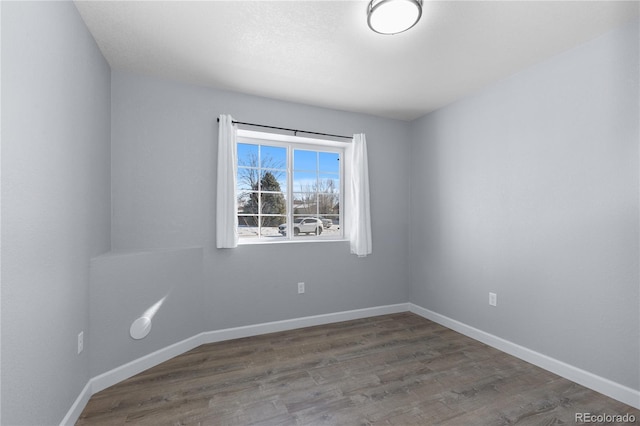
x: 118, y: 374
x: 78, y: 405
x: 134, y: 367
x: 599, y: 384
x: 292, y: 324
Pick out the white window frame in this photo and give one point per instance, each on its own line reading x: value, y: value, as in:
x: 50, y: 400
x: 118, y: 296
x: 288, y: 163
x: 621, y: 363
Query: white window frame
x: 297, y: 142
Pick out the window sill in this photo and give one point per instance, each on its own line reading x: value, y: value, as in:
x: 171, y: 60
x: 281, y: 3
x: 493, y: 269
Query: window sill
x: 296, y: 241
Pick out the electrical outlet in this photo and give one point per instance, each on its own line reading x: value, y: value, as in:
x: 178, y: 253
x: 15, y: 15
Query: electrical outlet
x: 80, y: 342
x: 493, y: 299
x: 300, y: 288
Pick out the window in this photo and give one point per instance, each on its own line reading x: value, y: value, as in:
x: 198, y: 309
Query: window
x: 288, y: 188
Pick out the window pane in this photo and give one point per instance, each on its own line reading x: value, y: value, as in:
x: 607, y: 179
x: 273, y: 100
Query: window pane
x: 247, y: 226
x: 273, y: 203
x: 270, y: 226
x: 272, y: 221
x: 329, y: 183
x: 248, y: 220
x: 273, y: 181
x: 273, y: 157
x: 247, y: 155
x: 247, y: 179
x: 305, y: 160
x: 305, y: 181
x: 331, y: 220
x: 243, y: 198
x: 328, y: 204
x: 247, y: 202
x: 304, y: 203
x: 329, y: 162
x: 331, y: 226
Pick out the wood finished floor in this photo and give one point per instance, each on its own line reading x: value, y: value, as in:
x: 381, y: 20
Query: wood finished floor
x: 398, y: 369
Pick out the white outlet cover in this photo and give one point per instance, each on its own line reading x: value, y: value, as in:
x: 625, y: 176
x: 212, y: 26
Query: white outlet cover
x: 140, y: 328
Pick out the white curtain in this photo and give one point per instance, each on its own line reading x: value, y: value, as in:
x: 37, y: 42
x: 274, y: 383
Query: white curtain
x: 360, y: 224
x: 226, y: 205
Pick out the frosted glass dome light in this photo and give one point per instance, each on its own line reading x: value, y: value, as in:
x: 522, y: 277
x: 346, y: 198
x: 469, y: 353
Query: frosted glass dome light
x: 393, y: 16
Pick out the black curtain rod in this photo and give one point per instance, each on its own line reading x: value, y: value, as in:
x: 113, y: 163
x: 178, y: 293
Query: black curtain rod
x: 295, y: 131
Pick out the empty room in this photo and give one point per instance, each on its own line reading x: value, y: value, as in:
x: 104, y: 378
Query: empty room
x: 383, y: 212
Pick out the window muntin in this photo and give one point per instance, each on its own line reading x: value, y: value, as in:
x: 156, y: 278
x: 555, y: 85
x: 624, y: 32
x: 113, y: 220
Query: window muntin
x: 288, y: 190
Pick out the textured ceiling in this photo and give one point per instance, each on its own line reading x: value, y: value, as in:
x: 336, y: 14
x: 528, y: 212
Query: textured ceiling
x: 322, y: 52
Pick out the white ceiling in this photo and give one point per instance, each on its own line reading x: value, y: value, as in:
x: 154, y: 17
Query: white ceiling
x: 322, y: 52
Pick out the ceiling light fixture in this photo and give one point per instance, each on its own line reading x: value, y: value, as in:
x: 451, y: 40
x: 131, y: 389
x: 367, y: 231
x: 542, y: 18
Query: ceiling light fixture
x: 393, y: 16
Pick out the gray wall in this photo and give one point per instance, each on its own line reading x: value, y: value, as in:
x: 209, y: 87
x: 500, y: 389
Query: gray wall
x: 55, y: 203
x: 164, y: 146
x: 164, y: 285
x: 530, y: 190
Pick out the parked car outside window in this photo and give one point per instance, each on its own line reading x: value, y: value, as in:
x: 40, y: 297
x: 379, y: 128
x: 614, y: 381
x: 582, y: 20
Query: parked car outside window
x: 307, y: 225
x: 326, y: 223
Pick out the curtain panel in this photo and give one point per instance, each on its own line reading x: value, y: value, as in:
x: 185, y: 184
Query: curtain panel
x: 226, y: 205
x: 360, y: 223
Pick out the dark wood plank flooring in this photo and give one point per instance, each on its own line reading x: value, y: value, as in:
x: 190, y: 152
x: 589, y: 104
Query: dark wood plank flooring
x: 396, y: 369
